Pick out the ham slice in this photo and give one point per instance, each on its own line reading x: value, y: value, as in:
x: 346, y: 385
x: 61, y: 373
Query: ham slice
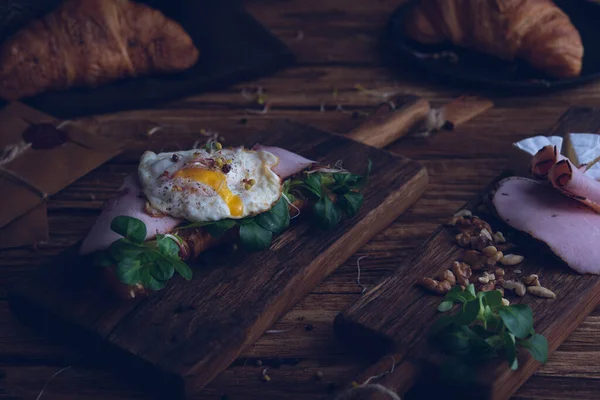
x: 544, y: 160
x: 289, y: 163
x: 571, y: 230
x: 130, y: 202
x: 575, y: 183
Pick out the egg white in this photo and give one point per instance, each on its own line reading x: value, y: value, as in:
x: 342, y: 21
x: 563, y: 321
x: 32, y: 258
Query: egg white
x: 181, y: 194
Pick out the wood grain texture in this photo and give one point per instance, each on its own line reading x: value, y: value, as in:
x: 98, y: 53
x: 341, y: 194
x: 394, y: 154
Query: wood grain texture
x: 337, y: 49
x: 191, y: 331
x: 395, y: 316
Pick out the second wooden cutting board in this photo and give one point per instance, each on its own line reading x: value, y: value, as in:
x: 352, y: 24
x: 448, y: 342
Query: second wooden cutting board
x: 393, y: 318
x: 184, y: 335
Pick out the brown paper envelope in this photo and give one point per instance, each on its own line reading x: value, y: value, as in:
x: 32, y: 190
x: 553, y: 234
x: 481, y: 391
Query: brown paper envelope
x: 30, y: 228
x: 36, y: 173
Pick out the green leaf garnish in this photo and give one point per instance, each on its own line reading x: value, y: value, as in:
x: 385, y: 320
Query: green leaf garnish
x: 218, y: 228
x: 445, y: 306
x: 351, y: 203
x: 183, y: 269
x: 314, y: 184
x: 483, y: 328
x: 277, y: 219
x: 167, y: 246
x: 537, y: 345
x: 124, y: 248
x: 150, y: 264
x: 130, y: 228
x: 518, y: 319
x: 510, y: 348
x: 254, y: 237
x: 129, y: 271
x: 327, y: 213
x: 162, y: 269
x: 468, y: 313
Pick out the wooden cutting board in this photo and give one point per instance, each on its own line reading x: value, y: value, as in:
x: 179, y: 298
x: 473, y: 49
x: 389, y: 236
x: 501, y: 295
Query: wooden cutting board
x: 184, y: 335
x: 393, y: 318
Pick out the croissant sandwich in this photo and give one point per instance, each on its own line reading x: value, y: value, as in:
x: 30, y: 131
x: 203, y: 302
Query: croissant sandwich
x: 87, y: 43
x: 536, y: 31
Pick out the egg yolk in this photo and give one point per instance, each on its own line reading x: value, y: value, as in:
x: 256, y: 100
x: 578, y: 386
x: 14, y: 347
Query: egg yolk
x: 218, y: 182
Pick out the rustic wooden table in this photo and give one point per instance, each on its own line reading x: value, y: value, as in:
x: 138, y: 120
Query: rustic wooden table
x: 336, y: 43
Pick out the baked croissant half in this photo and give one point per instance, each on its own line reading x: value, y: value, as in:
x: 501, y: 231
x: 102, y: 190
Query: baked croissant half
x: 87, y: 43
x: 536, y: 31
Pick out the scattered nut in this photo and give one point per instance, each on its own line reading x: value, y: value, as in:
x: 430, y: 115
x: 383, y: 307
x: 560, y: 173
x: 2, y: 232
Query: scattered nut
x: 490, y: 251
x: 505, y: 302
x: 499, y: 272
x: 481, y: 224
x: 486, y: 278
x: 463, y: 239
x: 435, y: 286
x: 464, y: 223
x: 488, y: 287
x: 486, y: 234
x: 462, y: 272
x: 495, y: 258
x: 481, y: 241
x: 506, y: 247
x: 499, y: 237
x: 518, y: 271
x: 511, y: 259
x: 464, y: 213
x: 518, y: 287
x: 531, y: 280
x: 475, y: 259
x: 540, y: 291
x: 448, y: 276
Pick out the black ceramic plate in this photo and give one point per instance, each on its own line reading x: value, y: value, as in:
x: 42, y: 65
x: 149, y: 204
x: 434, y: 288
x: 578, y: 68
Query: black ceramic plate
x: 476, y: 69
x: 233, y: 47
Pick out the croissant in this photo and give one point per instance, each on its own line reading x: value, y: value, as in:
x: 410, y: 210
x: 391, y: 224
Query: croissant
x: 88, y: 43
x: 536, y: 31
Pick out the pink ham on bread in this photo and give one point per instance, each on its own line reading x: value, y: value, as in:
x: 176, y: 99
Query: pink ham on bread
x: 289, y: 163
x: 570, y: 230
x: 575, y: 183
x: 131, y: 202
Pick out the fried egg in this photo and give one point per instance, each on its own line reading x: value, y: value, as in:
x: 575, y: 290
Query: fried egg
x: 200, y: 186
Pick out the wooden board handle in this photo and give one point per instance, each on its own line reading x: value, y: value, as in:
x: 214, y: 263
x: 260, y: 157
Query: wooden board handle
x: 385, y: 126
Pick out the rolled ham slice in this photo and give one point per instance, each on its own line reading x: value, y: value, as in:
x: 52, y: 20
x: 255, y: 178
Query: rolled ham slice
x: 131, y: 202
x: 571, y: 230
x: 544, y: 160
x: 575, y: 183
x: 289, y: 163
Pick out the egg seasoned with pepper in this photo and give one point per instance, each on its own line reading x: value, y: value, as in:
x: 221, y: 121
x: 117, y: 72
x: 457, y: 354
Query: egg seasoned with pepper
x: 200, y: 185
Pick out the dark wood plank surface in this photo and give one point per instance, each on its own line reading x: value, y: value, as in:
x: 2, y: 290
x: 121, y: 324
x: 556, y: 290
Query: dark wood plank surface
x: 191, y: 331
x: 335, y: 42
x: 396, y: 315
